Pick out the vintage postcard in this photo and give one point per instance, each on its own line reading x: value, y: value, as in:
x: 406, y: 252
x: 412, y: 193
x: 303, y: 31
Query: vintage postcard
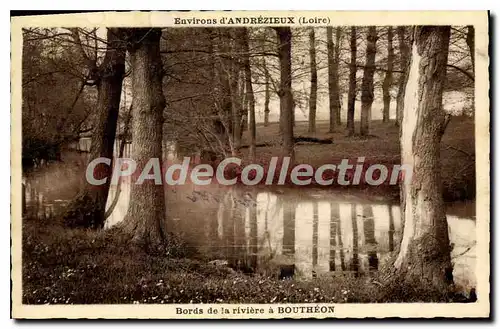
x: 250, y: 165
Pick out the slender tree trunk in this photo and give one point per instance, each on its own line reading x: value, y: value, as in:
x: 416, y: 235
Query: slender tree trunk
x: 337, y: 102
x: 244, y: 102
x: 367, y: 84
x: 331, y: 90
x: 333, y: 52
x: 313, y: 97
x: 470, y: 43
x: 267, y: 94
x: 286, y: 100
x: 249, y: 93
x: 404, y: 58
x: 89, y: 207
x: 351, y: 97
x: 236, y: 102
x: 425, y: 249
x: 388, y: 77
x: 145, y: 219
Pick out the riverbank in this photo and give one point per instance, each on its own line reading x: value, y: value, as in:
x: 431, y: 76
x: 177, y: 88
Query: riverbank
x: 381, y: 147
x: 73, y: 266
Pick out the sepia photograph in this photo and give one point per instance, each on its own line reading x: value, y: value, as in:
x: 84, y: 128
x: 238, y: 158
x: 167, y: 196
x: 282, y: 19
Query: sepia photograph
x: 250, y: 165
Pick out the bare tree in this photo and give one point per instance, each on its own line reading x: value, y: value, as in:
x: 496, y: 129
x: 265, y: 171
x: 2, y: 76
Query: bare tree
x: 367, y: 84
x: 267, y: 94
x: 144, y: 222
x: 388, y: 76
x: 313, y: 96
x: 425, y: 248
x: 470, y: 44
x: 88, y: 208
x: 351, y: 97
x: 249, y: 92
x: 403, y: 62
x: 333, y: 53
x: 284, y: 35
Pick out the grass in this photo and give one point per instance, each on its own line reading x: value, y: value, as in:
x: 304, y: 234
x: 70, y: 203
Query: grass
x: 75, y: 266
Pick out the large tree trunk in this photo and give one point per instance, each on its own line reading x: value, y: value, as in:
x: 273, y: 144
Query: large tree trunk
x: 222, y: 86
x: 267, y: 94
x: 367, y: 84
x: 285, y: 93
x: 470, y: 43
x: 333, y: 51
x: 249, y: 93
x: 145, y: 219
x: 88, y: 209
x: 425, y: 248
x: 351, y: 96
x: 313, y: 97
x: 403, y: 62
x: 386, y: 87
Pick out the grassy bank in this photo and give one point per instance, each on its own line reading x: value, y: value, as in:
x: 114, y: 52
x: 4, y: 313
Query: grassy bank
x: 71, y: 266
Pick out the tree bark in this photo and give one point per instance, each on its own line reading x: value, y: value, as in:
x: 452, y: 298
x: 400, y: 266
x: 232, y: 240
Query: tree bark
x: 313, y: 97
x: 470, y: 43
x: 333, y: 51
x: 89, y: 207
x: 338, y: 37
x: 144, y: 222
x: 284, y: 35
x: 403, y: 62
x: 351, y: 96
x: 249, y: 93
x: 367, y: 84
x: 388, y: 77
x: 236, y: 103
x: 267, y: 94
x: 425, y: 248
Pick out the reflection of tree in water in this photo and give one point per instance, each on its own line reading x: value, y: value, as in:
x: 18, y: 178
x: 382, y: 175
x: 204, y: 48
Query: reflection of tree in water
x: 253, y: 231
x: 336, y: 235
x: 315, y: 239
x: 334, y: 217
x: 369, y: 232
x: 287, y: 271
x: 355, y: 247
x: 226, y: 217
x: 246, y: 249
x: 240, y: 261
x: 391, y: 229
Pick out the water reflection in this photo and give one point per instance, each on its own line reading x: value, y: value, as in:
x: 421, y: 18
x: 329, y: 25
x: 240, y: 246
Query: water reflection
x: 291, y: 235
x: 288, y: 233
